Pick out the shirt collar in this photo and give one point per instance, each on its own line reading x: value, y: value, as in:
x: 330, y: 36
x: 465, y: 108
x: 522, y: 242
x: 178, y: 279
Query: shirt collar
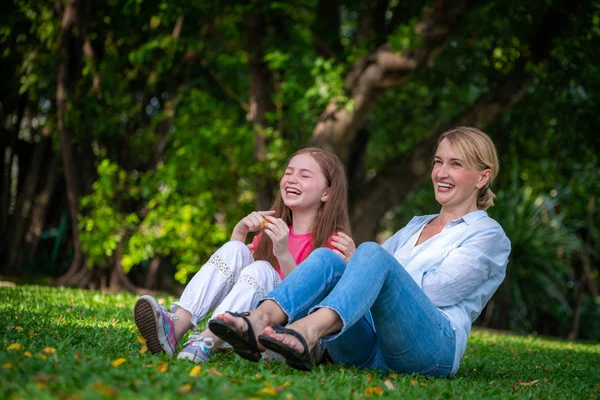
x: 473, y: 216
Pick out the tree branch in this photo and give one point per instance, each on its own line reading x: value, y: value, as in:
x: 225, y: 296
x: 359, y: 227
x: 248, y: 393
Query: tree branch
x: 403, y: 174
x: 338, y: 126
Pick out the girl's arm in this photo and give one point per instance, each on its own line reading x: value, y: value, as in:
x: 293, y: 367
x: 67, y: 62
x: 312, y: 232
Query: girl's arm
x: 278, y: 231
x: 343, y: 245
x: 250, y: 223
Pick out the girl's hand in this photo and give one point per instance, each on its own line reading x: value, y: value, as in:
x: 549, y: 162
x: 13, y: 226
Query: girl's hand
x: 343, y: 245
x: 278, y: 231
x: 250, y: 223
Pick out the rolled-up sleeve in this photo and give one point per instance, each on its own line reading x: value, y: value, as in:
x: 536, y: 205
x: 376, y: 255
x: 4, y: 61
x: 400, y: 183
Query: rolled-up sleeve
x: 467, y: 267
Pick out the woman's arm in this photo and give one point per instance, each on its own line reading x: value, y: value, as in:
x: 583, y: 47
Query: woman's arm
x: 467, y: 267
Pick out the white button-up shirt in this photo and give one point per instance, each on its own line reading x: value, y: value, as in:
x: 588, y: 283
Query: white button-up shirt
x: 459, y: 269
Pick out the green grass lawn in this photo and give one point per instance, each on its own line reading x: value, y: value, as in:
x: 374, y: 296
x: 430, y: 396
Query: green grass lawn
x: 64, y: 343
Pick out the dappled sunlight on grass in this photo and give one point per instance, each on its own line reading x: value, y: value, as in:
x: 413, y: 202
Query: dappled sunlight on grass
x: 63, y: 343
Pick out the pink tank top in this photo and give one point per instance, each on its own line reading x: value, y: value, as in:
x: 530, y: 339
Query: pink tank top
x: 299, y: 245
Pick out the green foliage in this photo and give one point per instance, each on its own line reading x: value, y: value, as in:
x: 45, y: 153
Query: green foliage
x: 539, y: 272
x: 69, y: 340
x: 158, y: 115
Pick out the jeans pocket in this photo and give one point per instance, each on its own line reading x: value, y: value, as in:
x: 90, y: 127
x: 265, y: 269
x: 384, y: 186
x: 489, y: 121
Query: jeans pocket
x: 438, y: 371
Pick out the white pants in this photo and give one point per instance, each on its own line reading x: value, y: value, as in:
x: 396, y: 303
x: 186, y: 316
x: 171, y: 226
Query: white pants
x: 230, y: 281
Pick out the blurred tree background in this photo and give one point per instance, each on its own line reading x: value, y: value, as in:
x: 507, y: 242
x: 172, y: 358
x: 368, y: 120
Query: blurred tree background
x: 136, y: 133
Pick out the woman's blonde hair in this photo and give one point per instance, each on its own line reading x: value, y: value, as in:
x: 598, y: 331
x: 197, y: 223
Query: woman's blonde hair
x: 332, y: 215
x: 479, y: 153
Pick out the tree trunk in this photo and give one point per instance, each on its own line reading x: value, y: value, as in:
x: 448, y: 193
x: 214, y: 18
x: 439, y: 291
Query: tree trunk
x: 25, y: 204
x: 402, y: 174
x: 383, y: 68
x: 40, y: 208
x: 260, y: 103
x: 9, y: 142
x: 118, y: 280
x: 77, y: 273
x: 152, y: 274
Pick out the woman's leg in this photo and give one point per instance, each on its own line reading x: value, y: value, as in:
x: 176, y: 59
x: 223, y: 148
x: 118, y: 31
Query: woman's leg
x: 309, y: 283
x: 413, y: 335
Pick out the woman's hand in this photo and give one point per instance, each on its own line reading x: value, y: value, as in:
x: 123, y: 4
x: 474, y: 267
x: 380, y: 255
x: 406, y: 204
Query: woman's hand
x: 250, y: 223
x: 278, y: 231
x: 343, y: 245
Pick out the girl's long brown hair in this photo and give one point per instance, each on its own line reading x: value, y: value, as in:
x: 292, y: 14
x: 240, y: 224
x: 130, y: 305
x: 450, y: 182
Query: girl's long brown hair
x: 331, y: 217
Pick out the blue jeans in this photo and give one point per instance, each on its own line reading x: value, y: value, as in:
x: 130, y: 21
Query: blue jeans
x: 389, y: 323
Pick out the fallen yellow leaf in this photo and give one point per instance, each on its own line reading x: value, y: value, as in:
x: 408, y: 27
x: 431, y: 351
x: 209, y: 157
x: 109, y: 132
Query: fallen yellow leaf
x: 14, y: 346
x: 162, y: 368
x: 41, y: 384
x: 49, y: 350
x: 18, y: 329
x: 370, y: 391
x: 77, y: 356
x: 144, y: 349
x: 269, y: 391
x: 196, y: 370
x: 118, y: 362
x: 141, y: 340
x: 43, y: 357
x: 7, y: 365
x: 104, y: 389
x: 185, y: 388
x: 217, y: 373
x: 27, y: 354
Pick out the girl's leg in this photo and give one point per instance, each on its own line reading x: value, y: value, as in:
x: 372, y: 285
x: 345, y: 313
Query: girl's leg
x: 211, y: 284
x: 205, y: 291
x: 412, y: 334
x: 255, y: 281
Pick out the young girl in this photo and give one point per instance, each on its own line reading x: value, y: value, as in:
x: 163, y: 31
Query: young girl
x: 310, y: 211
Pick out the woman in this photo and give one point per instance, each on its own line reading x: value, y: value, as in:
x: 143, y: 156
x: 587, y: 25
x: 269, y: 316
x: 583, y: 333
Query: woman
x: 408, y: 305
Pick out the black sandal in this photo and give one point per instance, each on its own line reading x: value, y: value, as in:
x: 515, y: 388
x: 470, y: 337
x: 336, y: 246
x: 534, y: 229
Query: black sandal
x: 294, y: 358
x: 244, y: 347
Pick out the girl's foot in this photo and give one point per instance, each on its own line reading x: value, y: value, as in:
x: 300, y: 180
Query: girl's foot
x: 197, y: 348
x: 155, y: 324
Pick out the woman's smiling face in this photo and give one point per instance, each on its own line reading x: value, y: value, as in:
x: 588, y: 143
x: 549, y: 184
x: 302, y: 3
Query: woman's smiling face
x: 455, y: 184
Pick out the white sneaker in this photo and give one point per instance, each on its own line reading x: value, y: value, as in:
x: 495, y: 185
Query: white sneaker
x: 197, y: 348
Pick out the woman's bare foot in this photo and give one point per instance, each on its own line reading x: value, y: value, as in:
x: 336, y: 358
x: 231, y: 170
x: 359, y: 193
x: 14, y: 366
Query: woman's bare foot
x: 292, y: 341
x: 256, y: 318
x: 313, y: 327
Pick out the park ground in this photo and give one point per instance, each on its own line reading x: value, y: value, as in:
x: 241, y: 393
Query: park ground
x: 75, y: 344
